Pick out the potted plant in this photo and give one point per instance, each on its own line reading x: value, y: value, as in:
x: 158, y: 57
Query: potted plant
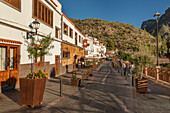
x: 32, y: 90
x: 33, y: 85
x: 141, y: 83
x: 85, y: 75
x: 74, y: 80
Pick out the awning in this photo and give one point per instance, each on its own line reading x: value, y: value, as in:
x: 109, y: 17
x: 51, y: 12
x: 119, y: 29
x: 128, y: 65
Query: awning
x: 7, y: 41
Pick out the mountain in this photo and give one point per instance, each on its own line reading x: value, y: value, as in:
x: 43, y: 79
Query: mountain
x: 164, y: 26
x: 125, y: 37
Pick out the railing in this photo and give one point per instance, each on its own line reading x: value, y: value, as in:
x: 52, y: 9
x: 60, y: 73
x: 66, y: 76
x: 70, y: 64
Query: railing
x: 164, y: 75
x: 151, y: 72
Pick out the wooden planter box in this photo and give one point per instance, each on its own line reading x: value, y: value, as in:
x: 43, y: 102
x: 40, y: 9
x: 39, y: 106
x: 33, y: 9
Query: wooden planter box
x: 75, y: 82
x: 141, y: 85
x: 32, y: 91
x: 85, y: 77
x: 94, y: 67
x: 90, y: 71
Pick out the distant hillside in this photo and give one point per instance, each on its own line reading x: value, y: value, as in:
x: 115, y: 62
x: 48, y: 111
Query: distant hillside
x: 124, y: 36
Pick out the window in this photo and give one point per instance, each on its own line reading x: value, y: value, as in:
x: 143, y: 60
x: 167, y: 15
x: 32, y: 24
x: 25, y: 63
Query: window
x: 86, y: 52
x: 66, y: 54
x: 57, y: 32
x: 39, y: 15
x: 82, y: 40
x: 65, y: 29
x: 79, y: 39
x: 13, y: 58
x: 35, y: 7
x: 10, y: 60
x: 39, y: 60
x: 42, y: 12
x: 46, y: 15
x: 51, y: 18
x: 75, y: 38
x: 3, y: 58
x: 71, y: 33
x: 14, y: 3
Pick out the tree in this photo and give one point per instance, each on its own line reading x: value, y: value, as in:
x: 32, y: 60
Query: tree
x: 38, y: 47
x: 163, y: 47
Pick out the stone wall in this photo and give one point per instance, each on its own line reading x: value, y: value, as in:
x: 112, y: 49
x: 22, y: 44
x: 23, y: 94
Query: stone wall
x: 24, y: 69
x: 73, y: 51
x: 63, y: 69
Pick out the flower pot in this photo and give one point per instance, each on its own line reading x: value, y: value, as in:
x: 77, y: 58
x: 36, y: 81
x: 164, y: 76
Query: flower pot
x: 32, y: 91
x: 141, y: 85
x: 94, y: 67
x: 90, y: 71
x: 84, y: 77
x: 75, y: 82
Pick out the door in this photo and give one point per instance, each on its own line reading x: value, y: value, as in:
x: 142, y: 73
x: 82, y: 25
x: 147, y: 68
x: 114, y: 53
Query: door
x: 9, y: 65
x: 56, y: 65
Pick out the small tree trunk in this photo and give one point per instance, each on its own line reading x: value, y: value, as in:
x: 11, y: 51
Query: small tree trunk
x: 142, y: 72
x: 33, y: 69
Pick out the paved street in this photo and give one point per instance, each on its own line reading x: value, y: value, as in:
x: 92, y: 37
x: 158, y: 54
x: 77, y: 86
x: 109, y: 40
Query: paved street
x: 109, y: 92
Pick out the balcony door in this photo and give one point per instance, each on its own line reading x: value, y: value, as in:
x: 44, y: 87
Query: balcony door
x: 9, y: 64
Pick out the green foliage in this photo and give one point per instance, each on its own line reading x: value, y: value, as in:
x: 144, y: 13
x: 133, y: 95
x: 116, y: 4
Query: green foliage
x: 141, y: 61
x: 125, y: 56
x: 110, y: 45
x: 163, y: 48
x: 39, y: 47
x: 117, y: 35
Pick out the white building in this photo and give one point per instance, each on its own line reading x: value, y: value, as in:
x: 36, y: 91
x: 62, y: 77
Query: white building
x: 72, y: 45
x: 15, y: 18
x: 88, y: 44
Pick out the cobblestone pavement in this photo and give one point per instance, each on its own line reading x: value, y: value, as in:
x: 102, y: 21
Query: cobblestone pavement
x: 109, y: 92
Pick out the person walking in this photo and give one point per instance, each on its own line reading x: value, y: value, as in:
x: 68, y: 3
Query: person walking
x: 124, y: 68
x: 120, y: 65
x: 131, y: 68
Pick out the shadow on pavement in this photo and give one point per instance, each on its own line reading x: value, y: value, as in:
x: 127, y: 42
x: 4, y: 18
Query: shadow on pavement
x: 14, y: 95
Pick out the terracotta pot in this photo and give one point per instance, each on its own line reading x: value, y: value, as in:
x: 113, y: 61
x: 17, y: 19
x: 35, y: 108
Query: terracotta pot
x: 141, y: 85
x: 75, y: 82
x: 32, y: 91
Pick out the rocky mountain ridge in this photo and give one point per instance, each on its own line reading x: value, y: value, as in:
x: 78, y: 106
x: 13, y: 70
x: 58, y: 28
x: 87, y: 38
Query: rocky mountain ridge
x: 164, y: 26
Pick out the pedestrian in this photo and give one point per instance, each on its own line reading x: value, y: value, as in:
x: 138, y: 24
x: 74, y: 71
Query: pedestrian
x: 120, y: 64
x: 131, y: 68
x: 124, y: 68
x: 79, y: 64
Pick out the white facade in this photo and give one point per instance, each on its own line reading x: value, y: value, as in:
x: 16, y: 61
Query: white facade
x: 89, y: 48
x: 20, y: 20
x: 95, y: 48
x: 67, y: 37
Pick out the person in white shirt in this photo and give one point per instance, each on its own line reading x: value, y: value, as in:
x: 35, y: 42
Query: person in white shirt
x: 131, y: 68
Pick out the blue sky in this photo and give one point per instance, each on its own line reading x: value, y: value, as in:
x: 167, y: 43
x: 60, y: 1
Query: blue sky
x: 133, y: 12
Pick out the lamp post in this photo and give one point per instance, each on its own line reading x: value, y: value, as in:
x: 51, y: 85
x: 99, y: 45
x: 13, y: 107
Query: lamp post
x: 34, y: 25
x: 157, y: 15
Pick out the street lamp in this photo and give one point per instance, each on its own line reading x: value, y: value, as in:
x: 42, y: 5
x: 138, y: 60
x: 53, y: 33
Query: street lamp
x: 36, y: 25
x: 157, y: 15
